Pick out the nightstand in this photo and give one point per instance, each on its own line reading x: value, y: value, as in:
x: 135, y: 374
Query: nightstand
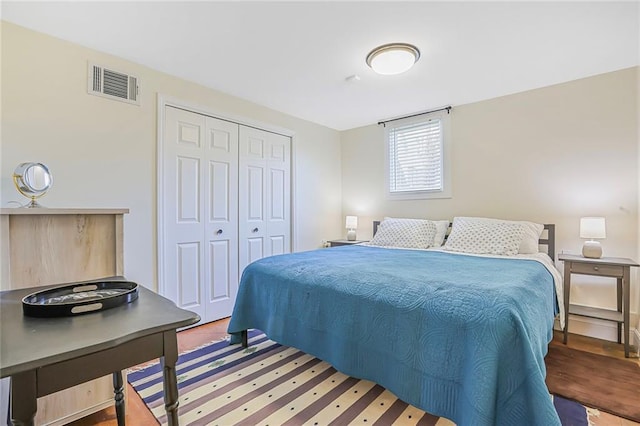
x: 336, y: 243
x: 614, y: 267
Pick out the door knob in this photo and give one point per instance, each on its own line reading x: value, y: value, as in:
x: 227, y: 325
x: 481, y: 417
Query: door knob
x: 254, y: 230
x: 219, y: 232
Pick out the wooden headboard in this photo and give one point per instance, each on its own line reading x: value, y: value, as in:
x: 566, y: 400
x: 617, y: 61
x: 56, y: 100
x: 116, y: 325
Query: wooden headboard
x: 549, y: 242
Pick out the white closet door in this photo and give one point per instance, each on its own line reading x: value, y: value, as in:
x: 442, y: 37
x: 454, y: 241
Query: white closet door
x: 183, y: 209
x: 264, y: 227
x: 200, y: 160
x: 278, y: 197
x: 221, y: 215
x: 253, y: 200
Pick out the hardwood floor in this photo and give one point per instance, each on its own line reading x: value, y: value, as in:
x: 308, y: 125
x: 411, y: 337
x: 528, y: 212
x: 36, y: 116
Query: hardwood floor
x: 138, y: 414
x: 600, y: 347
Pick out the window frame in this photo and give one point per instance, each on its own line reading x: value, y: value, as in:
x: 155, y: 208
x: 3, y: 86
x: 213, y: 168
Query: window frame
x: 446, y: 191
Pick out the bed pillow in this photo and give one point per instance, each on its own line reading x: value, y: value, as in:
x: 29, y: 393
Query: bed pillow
x: 405, y: 233
x: 441, y: 231
x: 485, y: 236
x: 530, y: 237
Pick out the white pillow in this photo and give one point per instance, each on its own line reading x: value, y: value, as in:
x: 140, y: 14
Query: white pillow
x: 441, y: 231
x: 406, y: 233
x: 530, y: 237
x: 485, y: 236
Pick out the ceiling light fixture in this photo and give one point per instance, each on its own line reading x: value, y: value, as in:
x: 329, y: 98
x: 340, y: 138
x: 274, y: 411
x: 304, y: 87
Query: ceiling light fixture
x: 393, y: 58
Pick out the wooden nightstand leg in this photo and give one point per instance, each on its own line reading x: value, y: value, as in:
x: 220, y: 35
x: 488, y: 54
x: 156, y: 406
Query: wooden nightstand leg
x: 619, y: 296
x: 566, y: 291
x: 626, y: 286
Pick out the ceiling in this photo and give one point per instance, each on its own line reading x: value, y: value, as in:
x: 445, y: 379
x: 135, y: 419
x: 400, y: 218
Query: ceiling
x: 295, y: 57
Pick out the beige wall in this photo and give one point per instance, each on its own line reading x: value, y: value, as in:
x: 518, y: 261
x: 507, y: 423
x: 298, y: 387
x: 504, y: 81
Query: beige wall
x: 549, y: 155
x: 102, y: 153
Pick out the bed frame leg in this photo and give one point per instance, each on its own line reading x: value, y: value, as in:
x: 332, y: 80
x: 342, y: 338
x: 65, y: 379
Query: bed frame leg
x: 245, y: 339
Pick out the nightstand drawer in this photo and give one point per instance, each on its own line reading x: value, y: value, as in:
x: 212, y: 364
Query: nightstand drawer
x: 591, y: 269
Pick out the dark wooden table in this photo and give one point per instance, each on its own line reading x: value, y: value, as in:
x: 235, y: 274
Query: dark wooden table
x: 46, y: 355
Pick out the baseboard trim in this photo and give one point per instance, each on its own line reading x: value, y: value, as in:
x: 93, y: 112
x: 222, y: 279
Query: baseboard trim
x: 599, y: 329
x: 592, y: 327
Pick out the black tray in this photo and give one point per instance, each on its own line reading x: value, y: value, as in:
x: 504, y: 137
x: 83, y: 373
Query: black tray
x: 79, y: 298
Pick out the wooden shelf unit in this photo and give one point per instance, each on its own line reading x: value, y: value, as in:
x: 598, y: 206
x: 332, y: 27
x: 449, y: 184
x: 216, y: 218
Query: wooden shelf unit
x: 42, y: 246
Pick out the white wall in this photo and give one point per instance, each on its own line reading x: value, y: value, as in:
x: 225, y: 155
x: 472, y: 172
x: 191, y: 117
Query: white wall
x: 549, y: 155
x: 102, y: 153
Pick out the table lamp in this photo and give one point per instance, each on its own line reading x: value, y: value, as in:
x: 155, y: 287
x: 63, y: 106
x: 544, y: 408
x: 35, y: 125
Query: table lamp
x: 351, y: 225
x: 592, y: 227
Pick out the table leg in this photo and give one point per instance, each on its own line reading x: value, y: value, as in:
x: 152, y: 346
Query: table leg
x: 619, y: 297
x: 566, y: 290
x: 626, y: 287
x: 23, y: 398
x: 169, y: 374
x: 245, y: 338
x: 118, y: 390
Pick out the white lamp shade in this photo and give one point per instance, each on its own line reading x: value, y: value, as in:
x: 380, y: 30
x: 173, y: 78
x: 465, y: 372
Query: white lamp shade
x: 592, y: 227
x: 351, y: 222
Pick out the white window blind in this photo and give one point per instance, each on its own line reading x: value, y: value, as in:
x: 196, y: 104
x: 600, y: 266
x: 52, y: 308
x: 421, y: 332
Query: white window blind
x: 416, y: 157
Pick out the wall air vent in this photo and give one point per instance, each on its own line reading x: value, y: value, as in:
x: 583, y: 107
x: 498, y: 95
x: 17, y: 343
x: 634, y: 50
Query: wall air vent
x: 113, y: 84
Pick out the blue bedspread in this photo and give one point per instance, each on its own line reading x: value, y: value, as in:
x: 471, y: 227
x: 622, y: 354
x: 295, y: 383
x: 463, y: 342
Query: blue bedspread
x: 462, y: 337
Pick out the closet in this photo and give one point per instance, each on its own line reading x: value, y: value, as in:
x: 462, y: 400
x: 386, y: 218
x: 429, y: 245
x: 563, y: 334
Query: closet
x: 224, y: 202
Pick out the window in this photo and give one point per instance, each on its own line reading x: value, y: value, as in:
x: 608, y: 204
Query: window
x: 417, y: 157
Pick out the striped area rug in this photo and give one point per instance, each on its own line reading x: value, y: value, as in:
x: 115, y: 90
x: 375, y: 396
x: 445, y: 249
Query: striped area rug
x: 269, y: 384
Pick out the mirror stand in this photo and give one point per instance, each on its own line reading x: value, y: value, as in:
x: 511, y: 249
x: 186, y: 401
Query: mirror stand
x: 32, y: 180
x: 33, y: 204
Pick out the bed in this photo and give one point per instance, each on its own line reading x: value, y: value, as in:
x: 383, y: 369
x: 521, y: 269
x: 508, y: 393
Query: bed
x: 460, y: 335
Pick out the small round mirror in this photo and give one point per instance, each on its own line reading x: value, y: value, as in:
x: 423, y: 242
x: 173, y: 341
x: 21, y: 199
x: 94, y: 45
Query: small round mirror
x: 32, y: 180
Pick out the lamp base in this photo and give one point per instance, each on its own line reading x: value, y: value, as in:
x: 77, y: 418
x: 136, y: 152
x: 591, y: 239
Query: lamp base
x: 351, y: 235
x: 592, y: 249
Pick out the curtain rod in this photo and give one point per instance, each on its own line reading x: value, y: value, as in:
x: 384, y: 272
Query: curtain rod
x: 384, y: 122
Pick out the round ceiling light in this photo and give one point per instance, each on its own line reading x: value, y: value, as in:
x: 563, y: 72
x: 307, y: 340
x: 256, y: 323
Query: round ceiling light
x: 393, y: 58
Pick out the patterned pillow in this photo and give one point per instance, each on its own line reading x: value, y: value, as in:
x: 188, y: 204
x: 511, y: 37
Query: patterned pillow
x: 406, y: 233
x: 484, y: 236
